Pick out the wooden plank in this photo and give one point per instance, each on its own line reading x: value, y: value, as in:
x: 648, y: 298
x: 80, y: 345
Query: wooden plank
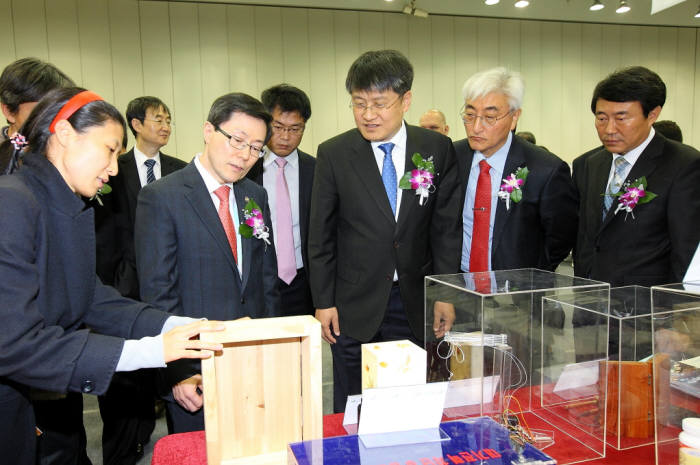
x: 371, y: 31
x: 213, y: 52
x: 531, y: 69
x: 311, y: 385
x: 157, y: 66
x: 465, y: 34
x: 64, y: 39
x: 421, y: 54
x: 550, y: 89
x: 684, y: 90
x: 573, y: 103
x: 268, y: 46
x: 445, y: 91
x: 96, y: 47
x: 324, y: 80
x: 29, y: 20
x: 187, y: 78
x: 347, y: 48
x: 396, y: 31
x: 243, y: 73
x: 487, y: 48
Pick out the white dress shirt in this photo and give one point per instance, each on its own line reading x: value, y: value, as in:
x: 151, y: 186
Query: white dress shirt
x: 631, y: 157
x: 212, y: 185
x: 140, y: 159
x: 291, y: 174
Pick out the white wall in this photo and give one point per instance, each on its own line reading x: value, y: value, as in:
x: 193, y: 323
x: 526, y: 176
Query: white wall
x: 188, y: 54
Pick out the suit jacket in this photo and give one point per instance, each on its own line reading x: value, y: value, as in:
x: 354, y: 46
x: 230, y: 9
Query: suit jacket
x: 540, y: 230
x: 655, y: 245
x: 115, y: 224
x: 307, y: 165
x: 184, y: 261
x: 49, y: 291
x: 355, y: 244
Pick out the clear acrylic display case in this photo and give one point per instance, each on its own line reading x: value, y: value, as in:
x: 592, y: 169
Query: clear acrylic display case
x: 676, y: 344
x: 629, y: 407
x: 501, y: 344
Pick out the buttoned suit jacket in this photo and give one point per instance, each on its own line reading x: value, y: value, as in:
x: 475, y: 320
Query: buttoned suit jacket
x: 655, y: 243
x: 307, y: 165
x: 116, y: 256
x: 49, y: 292
x: 355, y: 243
x: 184, y: 260
x: 540, y: 230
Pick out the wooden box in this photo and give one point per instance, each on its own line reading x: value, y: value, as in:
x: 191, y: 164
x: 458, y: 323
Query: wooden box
x: 263, y: 391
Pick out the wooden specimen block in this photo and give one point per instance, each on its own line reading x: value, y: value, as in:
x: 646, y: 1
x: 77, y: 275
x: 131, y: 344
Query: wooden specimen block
x: 263, y: 391
x: 393, y: 363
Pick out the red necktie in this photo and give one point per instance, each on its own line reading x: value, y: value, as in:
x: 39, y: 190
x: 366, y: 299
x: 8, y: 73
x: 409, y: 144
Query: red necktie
x: 479, y: 255
x: 225, y: 217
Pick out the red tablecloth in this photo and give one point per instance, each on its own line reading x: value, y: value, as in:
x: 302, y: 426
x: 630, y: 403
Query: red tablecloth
x: 190, y: 448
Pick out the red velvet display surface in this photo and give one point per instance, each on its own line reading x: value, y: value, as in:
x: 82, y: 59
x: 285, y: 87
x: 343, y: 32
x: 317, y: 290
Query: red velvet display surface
x: 190, y: 448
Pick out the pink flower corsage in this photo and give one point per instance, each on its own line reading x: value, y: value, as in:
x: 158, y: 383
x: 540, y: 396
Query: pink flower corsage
x: 511, y: 189
x: 421, y: 178
x: 631, y: 194
x: 253, y: 224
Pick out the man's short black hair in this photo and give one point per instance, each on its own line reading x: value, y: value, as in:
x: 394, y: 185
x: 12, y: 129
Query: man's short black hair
x: 137, y: 109
x: 225, y: 106
x: 28, y: 80
x: 380, y: 70
x: 669, y: 129
x: 287, y: 98
x: 634, y: 84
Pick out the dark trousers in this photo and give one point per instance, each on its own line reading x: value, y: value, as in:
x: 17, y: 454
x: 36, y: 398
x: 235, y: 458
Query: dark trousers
x: 17, y: 425
x: 347, y: 352
x: 181, y: 420
x: 128, y: 416
x: 296, y: 296
x: 63, y: 441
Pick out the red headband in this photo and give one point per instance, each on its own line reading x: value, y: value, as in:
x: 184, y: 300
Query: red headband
x: 71, y: 106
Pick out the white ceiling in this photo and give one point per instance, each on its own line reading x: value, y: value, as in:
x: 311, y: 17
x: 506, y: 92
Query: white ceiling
x: 559, y: 10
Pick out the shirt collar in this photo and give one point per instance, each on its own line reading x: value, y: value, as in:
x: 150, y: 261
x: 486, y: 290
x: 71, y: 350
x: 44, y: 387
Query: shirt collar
x: 141, y: 157
x: 633, y: 155
x: 209, y: 181
x: 399, y: 139
x: 270, y: 157
x: 497, y: 161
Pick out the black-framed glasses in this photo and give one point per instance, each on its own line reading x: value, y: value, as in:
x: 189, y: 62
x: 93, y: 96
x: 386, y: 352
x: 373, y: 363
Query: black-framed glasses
x: 470, y: 118
x: 378, y: 107
x: 291, y: 130
x: 239, y: 144
x: 162, y: 122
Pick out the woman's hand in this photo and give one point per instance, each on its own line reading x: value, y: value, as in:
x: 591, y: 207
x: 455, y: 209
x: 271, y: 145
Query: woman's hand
x: 180, y: 342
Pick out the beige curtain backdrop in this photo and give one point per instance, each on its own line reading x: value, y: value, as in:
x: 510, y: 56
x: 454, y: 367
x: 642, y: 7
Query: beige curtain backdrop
x: 188, y: 54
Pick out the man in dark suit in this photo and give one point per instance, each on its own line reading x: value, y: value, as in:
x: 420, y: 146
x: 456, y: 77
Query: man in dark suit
x: 127, y: 409
x: 193, y: 256
x: 500, y: 231
x: 287, y: 174
x: 370, y: 243
x: 654, y: 241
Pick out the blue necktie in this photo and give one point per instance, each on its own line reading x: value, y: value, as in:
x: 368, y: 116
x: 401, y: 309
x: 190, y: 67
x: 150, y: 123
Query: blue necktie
x: 150, y: 175
x: 615, y: 184
x: 389, y: 175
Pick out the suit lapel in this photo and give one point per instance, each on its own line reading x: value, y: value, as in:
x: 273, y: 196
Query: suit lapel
x: 408, y: 196
x: 246, y: 243
x: 365, y: 166
x: 201, y: 203
x: 645, y: 165
x: 305, y: 178
x: 130, y: 174
x: 465, y: 156
x: 514, y: 160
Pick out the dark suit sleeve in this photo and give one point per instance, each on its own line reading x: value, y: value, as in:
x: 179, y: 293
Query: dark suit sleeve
x: 270, y: 289
x: 684, y: 219
x: 323, y: 232
x: 446, y: 224
x: 156, y: 251
x: 559, y: 215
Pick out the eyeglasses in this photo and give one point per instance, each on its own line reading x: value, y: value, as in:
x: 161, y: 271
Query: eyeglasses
x: 378, y: 107
x: 239, y: 144
x: 291, y: 130
x: 487, y: 120
x: 161, y: 122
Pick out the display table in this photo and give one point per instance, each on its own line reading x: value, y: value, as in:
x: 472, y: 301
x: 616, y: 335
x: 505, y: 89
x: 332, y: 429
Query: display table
x: 190, y: 448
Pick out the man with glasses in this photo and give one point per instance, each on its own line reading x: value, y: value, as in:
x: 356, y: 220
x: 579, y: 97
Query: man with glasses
x: 287, y: 174
x: 532, y: 225
x: 193, y: 255
x: 653, y: 242
x: 371, y: 242
x: 127, y: 408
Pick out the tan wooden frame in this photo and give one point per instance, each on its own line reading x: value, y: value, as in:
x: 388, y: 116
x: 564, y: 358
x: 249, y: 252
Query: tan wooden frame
x: 278, y: 401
